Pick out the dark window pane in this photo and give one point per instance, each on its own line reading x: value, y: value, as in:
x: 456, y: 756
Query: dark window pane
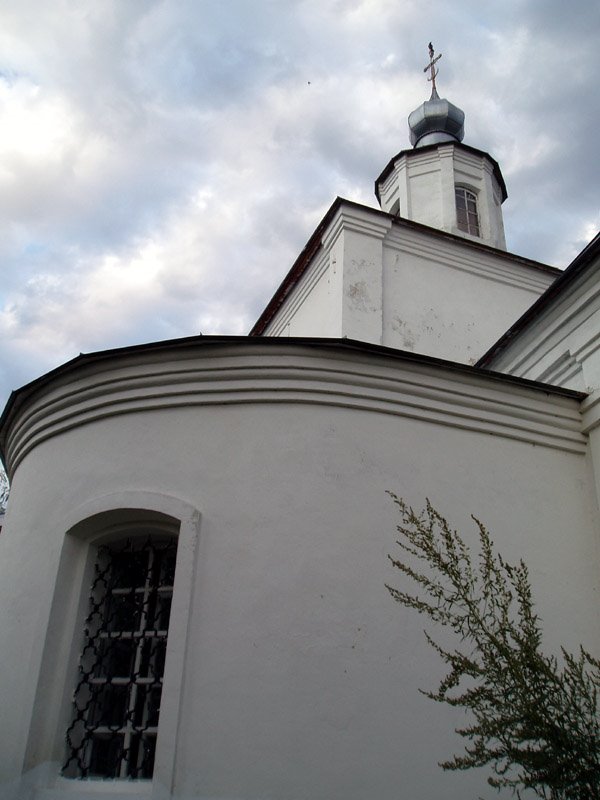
x: 128, y: 569
x: 115, y: 658
x: 152, y: 664
x: 105, y: 756
x: 109, y: 705
x: 141, y: 756
x: 162, y: 612
x: 123, y: 612
x: 147, y: 706
x: 166, y: 575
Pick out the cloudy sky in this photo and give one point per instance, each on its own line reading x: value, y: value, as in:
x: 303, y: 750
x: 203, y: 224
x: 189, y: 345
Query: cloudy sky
x: 163, y: 161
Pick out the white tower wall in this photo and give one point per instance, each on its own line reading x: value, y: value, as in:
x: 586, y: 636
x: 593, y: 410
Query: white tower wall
x: 421, y: 186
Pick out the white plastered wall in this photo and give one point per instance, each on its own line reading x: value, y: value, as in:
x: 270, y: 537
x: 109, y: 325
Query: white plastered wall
x: 449, y: 301
x: 301, y: 675
x: 379, y: 281
x: 561, y: 346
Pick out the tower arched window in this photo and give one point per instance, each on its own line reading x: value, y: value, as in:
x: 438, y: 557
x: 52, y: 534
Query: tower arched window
x: 467, y: 218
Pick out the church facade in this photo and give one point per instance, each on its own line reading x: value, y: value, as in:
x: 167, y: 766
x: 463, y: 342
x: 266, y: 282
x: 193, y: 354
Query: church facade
x: 193, y: 558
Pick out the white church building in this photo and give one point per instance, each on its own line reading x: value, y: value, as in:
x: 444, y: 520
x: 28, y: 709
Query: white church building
x: 193, y: 558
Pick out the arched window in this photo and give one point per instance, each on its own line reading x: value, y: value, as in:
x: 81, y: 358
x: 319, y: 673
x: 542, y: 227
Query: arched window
x: 466, y: 211
x: 123, y: 586
x: 116, y: 703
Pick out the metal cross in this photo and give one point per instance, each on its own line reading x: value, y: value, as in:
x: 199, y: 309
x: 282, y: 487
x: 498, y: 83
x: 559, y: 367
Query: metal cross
x: 431, y: 66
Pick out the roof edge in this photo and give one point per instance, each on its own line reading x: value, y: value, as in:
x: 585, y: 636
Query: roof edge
x: 19, y: 397
x: 579, y: 264
x: 296, y: 271
x: 428, y: 147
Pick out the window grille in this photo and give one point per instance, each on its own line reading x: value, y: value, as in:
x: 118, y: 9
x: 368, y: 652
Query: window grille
x: 117, y: 697
x: 466, y: 211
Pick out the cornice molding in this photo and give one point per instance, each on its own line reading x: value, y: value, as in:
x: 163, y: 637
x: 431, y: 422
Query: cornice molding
x: 590, y: 413
x: 297, y: 375
x: 454, y: 148
x: 355, y: 219
x: 452, y: 254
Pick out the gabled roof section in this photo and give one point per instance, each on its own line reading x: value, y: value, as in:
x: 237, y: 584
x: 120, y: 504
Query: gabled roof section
x: 315, y: 242
x: 417, y: 151
x: 578, y: 267
x: 297, y: 270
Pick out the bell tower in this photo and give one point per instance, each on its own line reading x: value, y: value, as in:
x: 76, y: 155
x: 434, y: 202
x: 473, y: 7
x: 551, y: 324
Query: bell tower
x: 442, y: 182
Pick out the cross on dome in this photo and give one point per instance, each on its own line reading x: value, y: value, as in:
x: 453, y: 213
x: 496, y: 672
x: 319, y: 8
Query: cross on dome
x: 434, y: 71
x: 436, y: 120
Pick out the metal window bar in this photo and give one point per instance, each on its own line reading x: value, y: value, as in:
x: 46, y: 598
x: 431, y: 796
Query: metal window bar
x: 117, y: 698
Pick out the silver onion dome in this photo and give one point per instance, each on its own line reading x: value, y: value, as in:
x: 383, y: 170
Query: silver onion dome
x: 435, y: 121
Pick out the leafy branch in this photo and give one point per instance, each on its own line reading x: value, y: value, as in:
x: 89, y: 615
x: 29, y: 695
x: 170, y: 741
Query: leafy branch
x: 535, y: 721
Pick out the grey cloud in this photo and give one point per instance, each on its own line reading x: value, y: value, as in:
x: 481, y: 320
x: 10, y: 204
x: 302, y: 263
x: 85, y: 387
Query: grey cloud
x: 172, y: 102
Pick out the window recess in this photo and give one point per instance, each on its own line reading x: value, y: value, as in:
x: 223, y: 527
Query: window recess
x: 116, y: 703
x: 467, y: 218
